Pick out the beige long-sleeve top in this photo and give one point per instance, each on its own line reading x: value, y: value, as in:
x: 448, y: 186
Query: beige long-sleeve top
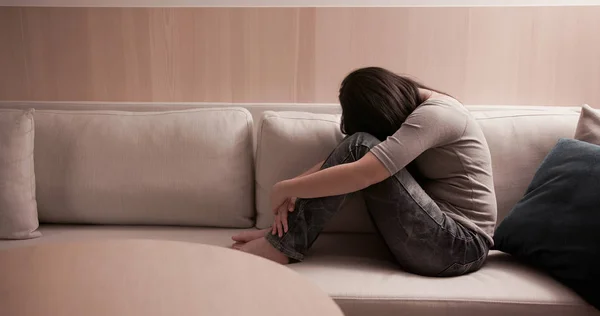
x: 451, y: 153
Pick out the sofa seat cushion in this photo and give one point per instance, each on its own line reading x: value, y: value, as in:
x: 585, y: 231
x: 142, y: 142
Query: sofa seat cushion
x: 356, y: 271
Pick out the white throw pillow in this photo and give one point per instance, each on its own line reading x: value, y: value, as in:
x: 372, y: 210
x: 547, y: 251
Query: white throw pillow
x: 588, y: 127
x: 18, y: 208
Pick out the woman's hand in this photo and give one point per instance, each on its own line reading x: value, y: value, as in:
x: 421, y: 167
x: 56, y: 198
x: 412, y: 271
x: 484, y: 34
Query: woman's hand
x: 291, y: 204
x: 281, y: 205
x: 281, y: 216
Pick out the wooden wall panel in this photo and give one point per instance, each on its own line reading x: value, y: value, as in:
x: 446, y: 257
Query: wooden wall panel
x: 13, y: 65
x: 483, y: 55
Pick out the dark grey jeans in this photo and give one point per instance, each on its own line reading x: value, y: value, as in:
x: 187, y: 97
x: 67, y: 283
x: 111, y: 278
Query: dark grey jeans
x: 421, y: 237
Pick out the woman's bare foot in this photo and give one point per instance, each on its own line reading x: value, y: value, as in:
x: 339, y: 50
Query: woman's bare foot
x: 261, y: 247
x: 249, y: 235
x: 237, y: 245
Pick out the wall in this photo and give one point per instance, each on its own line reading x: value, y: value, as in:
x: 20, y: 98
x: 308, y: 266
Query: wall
x: 482, y: 55
x: 291, y: 3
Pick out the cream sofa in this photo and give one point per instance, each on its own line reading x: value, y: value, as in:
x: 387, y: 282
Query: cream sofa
x: 204, y: 174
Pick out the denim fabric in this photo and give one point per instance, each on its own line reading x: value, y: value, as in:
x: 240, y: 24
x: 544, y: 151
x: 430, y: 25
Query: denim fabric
x: 421, y: 237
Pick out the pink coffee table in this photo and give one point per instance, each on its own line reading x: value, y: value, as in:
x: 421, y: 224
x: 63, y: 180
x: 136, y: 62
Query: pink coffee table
x: 151, y: 277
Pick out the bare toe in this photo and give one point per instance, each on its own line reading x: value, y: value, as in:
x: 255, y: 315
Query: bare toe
x: 249, y: 235
x: 261, y: 247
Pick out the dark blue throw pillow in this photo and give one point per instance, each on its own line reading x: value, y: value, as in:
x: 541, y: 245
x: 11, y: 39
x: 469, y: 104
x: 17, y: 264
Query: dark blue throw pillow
x: 556, y: 226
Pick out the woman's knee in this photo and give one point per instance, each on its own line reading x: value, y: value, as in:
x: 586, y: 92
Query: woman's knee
x: 351, y: 148
x: 361, y: 139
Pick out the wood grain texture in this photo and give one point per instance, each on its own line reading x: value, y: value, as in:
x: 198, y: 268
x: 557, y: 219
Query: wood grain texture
x: 14, y: 83
x: 482, y: 55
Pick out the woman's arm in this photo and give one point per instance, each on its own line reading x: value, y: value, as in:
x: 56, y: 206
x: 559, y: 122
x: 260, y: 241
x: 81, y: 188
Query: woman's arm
x: 312, y: 170
x: 336, y: 180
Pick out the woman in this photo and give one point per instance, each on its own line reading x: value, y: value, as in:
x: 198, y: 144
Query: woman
x: 441, y: 225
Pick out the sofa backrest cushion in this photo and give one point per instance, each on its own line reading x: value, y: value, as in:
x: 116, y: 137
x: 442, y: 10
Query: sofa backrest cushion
x: 519, y: 138
x: 289, y: 143
x: 192, y: 167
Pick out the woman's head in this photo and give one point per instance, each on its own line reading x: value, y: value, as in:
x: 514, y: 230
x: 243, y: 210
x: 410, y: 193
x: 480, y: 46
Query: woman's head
x: 377, y: 101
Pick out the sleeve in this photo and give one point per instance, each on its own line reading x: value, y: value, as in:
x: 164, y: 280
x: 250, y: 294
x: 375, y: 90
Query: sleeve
x: 427, y: 127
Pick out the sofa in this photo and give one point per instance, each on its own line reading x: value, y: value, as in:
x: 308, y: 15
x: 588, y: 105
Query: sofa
x: 202, y: 172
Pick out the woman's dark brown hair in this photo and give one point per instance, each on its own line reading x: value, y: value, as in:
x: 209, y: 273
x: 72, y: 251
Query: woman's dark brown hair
x: 377, y: 101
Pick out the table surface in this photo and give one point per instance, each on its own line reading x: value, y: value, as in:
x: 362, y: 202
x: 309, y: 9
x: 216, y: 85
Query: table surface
x: 151, y: 277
